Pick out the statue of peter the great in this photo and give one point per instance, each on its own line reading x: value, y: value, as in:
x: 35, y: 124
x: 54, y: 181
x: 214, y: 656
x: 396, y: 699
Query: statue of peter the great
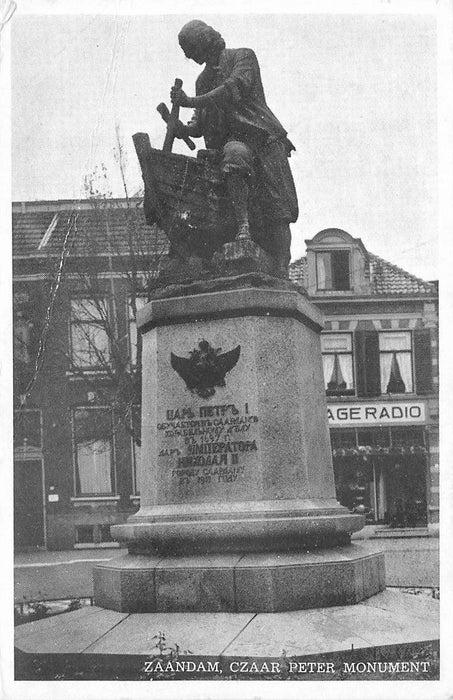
x: 232, y: 115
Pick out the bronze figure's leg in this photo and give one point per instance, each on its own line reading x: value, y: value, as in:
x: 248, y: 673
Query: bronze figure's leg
x: 238, y: 191
x: 237, y: 166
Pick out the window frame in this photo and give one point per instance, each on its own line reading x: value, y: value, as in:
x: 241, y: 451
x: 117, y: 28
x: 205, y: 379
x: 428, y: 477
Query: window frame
x: 113, y: 475
x: 330, y: 251
x: 100, y: 323
x: 398, y: 331
x: 344, y: 392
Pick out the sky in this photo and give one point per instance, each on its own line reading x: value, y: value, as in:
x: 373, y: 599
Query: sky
x: 357, y: 94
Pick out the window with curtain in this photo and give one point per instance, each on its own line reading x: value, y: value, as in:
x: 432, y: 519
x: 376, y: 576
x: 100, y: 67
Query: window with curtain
x: 332, y: 270
x: 93, y: 451
x: 337, y: 363
x: 89, y: 339
x: 133, y: 338
x: 395, y: 358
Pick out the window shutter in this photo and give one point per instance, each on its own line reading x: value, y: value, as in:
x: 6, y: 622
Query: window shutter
x: 367, y: 363
x: 422, y: 361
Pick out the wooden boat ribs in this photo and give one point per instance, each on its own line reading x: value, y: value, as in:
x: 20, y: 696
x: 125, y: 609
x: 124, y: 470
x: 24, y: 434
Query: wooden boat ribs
x: 186, y: 197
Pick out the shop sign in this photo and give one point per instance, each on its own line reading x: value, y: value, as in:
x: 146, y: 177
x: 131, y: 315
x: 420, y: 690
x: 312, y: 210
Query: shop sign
x: 375, y: 413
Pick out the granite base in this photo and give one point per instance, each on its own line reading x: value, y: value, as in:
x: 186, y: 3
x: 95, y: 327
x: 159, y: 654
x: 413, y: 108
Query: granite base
x: 259, y: 582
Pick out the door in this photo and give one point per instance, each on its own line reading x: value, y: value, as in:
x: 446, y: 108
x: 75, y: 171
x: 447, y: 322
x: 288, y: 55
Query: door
x: 28, y: 504
x: 406, y: 491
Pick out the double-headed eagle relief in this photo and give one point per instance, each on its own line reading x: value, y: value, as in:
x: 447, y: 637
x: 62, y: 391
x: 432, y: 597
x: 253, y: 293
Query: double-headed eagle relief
x: 240, y: 186
x: 205, y: 368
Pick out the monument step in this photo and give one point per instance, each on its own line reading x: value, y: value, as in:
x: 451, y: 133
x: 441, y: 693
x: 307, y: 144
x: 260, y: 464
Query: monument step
x: 242, y: 582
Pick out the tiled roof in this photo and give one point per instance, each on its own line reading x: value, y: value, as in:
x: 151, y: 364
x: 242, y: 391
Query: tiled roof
x: 385, y: 278
x: 92, y: 230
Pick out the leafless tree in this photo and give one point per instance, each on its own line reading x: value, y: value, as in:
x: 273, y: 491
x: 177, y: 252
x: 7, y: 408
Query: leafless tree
x: 101, y: 259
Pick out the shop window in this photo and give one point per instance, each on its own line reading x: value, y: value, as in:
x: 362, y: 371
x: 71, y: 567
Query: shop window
x: 408, y: 437
x: 27, y: 428
x: 333, y: 270
x: 354, y: 485
x: 376, y: 437
x: 85, y: 534
x: 395, y: 356
x: 343, y: 439
x: 337, y: 363
x: 133, y: 336
x: 89, y: 338
x: 93, y: 451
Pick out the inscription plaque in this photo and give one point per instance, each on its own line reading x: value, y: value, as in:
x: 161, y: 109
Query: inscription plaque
x: 206, y: 445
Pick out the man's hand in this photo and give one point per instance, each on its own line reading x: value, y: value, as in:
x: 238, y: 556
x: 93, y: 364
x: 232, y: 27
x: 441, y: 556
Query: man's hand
x: 179, y: 97
x: 180, y: 131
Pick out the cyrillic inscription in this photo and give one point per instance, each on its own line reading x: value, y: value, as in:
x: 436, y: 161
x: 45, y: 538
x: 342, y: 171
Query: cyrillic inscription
x: 207, y: 444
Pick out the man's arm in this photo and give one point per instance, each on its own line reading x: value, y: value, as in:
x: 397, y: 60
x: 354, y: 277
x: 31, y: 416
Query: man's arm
x: 192, y: 128
x: 218, y: 95
x: 235, y: 88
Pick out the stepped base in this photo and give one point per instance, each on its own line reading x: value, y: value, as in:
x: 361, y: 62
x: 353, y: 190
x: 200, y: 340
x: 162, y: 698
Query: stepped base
x: 260, y: 582
x: 263, y: 526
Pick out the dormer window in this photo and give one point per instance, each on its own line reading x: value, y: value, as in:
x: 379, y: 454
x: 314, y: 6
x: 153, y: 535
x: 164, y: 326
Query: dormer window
x: 333, y: 270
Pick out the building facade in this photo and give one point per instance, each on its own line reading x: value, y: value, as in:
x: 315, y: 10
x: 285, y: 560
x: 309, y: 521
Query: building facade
x: 380, y: 358
x: 80, y: 271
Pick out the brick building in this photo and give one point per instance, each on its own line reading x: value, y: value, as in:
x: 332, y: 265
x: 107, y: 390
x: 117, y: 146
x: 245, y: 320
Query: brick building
x: 80, y: 269
x: 380, y: 357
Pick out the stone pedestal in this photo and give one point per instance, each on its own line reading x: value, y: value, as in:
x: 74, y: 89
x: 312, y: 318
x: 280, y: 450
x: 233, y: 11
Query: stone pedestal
x: 256, y: 582
x: 236, y: 453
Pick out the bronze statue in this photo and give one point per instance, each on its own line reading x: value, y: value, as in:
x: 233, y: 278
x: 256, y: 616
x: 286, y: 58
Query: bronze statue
x: 231, y: 113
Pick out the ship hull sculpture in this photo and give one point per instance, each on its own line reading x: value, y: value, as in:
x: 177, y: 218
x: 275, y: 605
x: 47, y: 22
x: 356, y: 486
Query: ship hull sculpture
x: 187, y: 198
x: 237, y: 497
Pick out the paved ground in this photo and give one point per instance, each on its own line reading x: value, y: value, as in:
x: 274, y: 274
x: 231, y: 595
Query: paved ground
x: 53, y: 575
x: 388, y: 618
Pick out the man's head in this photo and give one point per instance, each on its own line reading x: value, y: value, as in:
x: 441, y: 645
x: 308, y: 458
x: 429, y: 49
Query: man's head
x: 199, y: 41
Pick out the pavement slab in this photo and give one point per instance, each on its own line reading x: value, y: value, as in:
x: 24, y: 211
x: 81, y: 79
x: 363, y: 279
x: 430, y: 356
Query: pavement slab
x: 394, y: 601
x: 68, y: 633
x: 294, y: 633
x: 197, y: 633
x: 380, y: 627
